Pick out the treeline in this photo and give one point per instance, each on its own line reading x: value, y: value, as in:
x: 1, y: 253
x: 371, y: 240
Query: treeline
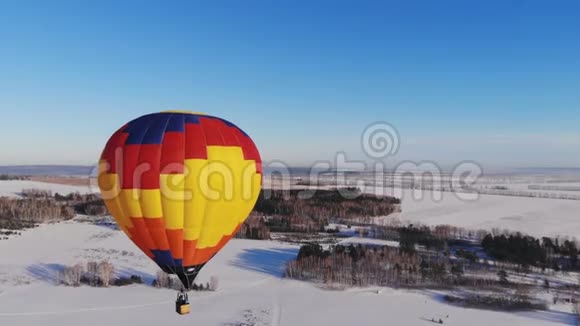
x: 529, y: 251
x: 370, y: 265
x: 530, y: 194
x: 439, y: 237
x: 18, y: 214
x: 279, y: 211
x: 517, y: 249
x: 354, y: 265
x: 7, y: 177
x: 411, y: 236
x: 96, y: 274
x: 103, y: 274
x: 440, y: 256
x: 167, y: 281
x: 365, y: 265
x: 310, y: 211
x: 41, y: 206
x: 87, y: 204
x: 254, y: 228
x: 504, y: 302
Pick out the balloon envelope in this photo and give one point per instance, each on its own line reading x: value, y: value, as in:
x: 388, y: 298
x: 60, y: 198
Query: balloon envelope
x: 180, y: 185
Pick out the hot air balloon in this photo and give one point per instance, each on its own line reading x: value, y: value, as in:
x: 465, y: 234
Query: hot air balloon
x: 180, y: 185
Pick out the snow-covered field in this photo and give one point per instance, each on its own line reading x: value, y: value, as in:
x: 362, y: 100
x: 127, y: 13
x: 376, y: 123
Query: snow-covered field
x: 535, y: 216
x: 251, y: 291
x: 13, y: 188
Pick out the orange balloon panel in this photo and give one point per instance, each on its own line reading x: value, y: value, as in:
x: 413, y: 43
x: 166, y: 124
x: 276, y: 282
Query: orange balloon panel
x: 180, y: 185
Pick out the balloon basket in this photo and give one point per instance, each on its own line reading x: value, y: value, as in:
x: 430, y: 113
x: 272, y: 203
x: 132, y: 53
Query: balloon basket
x: 182, y: 308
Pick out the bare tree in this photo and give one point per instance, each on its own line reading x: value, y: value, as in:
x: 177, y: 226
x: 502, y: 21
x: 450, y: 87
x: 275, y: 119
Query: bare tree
x: 106, y: 273
x: 163, y: 280
x: 71, y: 276
x: 576, y: 307
x: 92, y: 267
x: 91, y: 275
x: 213, y: 283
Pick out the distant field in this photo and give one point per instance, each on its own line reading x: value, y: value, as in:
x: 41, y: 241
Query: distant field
x: 52, y: 170
x: 511, y: 209
x: 81, y: 178
x: 535, y: 216
x: 65, y: 180
x: 13, y: 188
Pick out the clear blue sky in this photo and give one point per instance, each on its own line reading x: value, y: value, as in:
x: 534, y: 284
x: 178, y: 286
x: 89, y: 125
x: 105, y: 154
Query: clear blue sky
x: 493, y: 81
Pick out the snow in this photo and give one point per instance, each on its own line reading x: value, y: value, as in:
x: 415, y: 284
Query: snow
x: 371, y: 242
x: 534, y: 216
x: 251, y: 289
x: 13, y: 188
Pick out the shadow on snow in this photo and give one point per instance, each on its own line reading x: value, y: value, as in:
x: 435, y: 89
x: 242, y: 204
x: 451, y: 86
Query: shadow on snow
x: 45, y: 272
x: 50, y: 273
x: 267, y: 261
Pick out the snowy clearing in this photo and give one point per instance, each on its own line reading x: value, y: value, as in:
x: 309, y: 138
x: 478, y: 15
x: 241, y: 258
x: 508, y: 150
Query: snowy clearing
x: 534, y: 216
x: 13, y: 188
x: 251, y: 290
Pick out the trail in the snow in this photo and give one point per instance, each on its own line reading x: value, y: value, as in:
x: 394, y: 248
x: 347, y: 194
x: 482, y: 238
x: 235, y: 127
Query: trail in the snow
x: 276, y: 312
x: 113, y: 308
x: 73, y: 311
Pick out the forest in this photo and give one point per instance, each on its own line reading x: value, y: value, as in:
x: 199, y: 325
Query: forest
x: 311, y: 211
x: 438, y: 257
x: 529, y: 251
x: 275, y: 211
x: 40, y: 206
